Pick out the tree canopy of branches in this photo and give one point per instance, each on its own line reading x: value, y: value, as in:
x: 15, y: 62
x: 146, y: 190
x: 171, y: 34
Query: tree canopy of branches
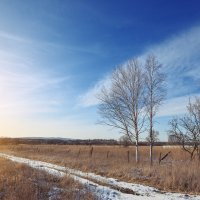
x: 122, y: 104
x: 187, y: 128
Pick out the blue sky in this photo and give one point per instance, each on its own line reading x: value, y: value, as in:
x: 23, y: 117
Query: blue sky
x: 55, y: 55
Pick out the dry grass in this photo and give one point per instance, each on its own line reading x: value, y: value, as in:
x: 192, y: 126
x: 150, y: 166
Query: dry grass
x: 176, y: 172
x: 20, y: 182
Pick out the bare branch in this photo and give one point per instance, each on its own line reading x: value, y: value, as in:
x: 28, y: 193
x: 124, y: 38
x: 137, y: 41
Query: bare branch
x: 187, y: 128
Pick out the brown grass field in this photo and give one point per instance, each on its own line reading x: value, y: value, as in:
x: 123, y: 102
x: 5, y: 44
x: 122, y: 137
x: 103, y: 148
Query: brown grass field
x: 20, y: 182
x: 176, y: 173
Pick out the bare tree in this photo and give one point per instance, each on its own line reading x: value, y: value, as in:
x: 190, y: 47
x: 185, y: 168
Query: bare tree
x: 153, y: 138
x: 125, y: 140
x: 187, y: 128
x: 122, y: 105
x: 155, y: 93
x: 172, y: 139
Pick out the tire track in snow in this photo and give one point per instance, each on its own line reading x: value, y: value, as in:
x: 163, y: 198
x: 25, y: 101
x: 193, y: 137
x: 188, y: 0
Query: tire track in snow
x: 102, y: 192
x: 104, y: 188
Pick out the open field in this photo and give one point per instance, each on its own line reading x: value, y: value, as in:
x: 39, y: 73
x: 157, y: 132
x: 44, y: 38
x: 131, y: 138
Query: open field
x: 176, y: 173
x: 21, y: 182
x: 103, y: 188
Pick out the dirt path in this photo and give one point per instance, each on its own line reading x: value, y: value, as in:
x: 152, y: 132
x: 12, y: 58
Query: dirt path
x: 103, y: 187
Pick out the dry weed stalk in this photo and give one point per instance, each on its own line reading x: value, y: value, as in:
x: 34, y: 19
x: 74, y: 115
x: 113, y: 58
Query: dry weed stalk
x: 173, y: 174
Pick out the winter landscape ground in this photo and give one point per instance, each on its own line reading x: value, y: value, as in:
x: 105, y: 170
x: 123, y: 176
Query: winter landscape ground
x: 73, y: 171
x: 99, y: 100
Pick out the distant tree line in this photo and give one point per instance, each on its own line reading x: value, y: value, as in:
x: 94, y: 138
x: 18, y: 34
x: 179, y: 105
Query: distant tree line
x: 122, y: 142
x: 36, y: 141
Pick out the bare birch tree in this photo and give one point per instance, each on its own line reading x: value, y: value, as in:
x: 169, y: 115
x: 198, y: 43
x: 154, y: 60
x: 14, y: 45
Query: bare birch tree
x: 187, y: 128
x: 122, y: 105
x: 155, y: 93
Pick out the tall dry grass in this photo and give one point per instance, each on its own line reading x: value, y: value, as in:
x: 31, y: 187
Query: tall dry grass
x: 20, y: 182
x: 175, y: 173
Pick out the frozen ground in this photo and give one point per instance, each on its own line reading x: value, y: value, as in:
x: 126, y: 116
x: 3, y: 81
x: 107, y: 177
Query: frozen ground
x: 103, y: 187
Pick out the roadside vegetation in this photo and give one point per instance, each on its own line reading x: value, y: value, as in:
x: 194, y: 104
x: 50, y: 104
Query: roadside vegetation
x: 174, y: 173
x: 20, y: 182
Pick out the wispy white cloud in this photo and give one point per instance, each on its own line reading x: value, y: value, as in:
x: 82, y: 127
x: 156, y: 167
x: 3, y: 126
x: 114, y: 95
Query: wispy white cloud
x: 26, y: 85
x: 9, y: 36
x: 176, y: 106
x: 47, y: 46
x: 90, y: 97
x: 179, y: 52
x: 180, y: 58
x: 23, y: 93
x: 25, y: 90
x: 181, y: 62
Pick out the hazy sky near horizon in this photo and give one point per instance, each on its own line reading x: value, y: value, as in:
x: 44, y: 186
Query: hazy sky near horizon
x: 55, y: 55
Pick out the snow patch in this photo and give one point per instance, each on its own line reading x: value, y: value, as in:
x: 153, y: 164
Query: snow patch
x: 96, y: 183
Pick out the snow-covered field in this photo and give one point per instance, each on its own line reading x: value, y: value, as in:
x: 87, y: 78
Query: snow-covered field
x: 103, y: 187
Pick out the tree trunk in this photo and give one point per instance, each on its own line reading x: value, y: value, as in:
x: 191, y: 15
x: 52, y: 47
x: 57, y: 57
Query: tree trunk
x: 151, y: 133
x: 136, y: 151
x: 151, y: 154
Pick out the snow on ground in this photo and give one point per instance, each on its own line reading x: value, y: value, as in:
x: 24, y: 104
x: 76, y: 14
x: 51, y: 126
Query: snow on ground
x: 102, y: 186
